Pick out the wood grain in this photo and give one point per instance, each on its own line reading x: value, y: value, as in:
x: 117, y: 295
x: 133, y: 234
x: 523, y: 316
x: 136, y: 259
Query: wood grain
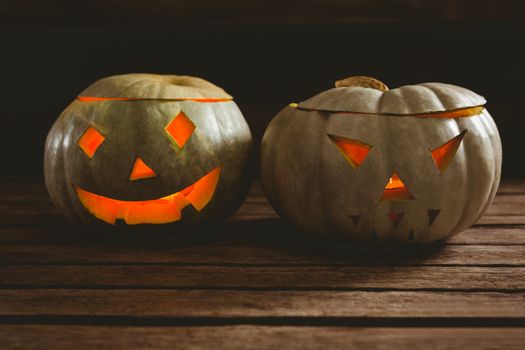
x: 258, y: 337
x: 502, y: 220
x: 249, y: 277
x: 501, y: 235
x: 247, y: 304
x: 255, y: 283
x: 261, y: 253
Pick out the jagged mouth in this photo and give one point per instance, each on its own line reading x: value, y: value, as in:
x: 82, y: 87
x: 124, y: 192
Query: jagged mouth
x: 397, y: 217
x: 154, y: 211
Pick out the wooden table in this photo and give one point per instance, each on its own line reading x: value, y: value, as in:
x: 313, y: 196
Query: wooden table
x: 253, y: 283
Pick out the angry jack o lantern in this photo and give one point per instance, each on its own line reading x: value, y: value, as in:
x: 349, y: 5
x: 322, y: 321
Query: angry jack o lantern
x: 148, y: 149
x: 416, y: 164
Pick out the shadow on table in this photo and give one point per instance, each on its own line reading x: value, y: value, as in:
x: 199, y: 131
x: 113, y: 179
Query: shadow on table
x: 278, y: 237
x: 262, y: 242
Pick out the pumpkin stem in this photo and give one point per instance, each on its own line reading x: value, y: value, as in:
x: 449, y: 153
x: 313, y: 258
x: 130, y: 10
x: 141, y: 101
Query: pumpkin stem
x: 362, y: 81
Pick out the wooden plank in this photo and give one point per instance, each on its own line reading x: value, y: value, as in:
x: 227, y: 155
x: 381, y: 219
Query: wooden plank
x: 495, y: 220
x: 231, y: 232
x: 265, y: 253
x: 505, y: 204
x: 513, y: 186
x: 488, y: 235
x: 32, y: 219
x: 35, y: 218
x: 22, y: 190
x: 249, y: 277
x: 249, y: 304
x: 258, y: 337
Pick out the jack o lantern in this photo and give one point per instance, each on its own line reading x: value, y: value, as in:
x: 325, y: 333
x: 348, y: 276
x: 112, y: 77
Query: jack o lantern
x: 360, y: 162
x: 148, y: 149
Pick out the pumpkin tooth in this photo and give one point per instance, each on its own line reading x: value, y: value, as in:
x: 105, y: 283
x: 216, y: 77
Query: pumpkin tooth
x: 432, y: 216
x: 203, y: 189
x: 355, y: 219
x: 396, y: 218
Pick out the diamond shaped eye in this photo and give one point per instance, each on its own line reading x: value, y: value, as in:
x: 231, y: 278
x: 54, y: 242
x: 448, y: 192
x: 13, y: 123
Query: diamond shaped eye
x: 180, y: 129
x: 354, y: 151
x: 444, y: 154
x: 91, y: 141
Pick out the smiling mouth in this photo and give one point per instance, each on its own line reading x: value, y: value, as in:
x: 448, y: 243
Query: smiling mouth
x: 154, y: 211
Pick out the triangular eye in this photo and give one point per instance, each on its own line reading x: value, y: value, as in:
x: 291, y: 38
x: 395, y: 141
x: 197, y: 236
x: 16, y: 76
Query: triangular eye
x: 354, y: 151
x: 444, y: 154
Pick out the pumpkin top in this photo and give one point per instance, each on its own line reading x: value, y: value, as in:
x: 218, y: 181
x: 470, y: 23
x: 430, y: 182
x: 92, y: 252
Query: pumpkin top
x: 368, y: 95
x: 154, y: 86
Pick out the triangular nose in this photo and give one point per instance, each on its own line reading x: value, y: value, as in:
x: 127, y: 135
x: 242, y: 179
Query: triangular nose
x: 141, y: 171
x: 395, y: 190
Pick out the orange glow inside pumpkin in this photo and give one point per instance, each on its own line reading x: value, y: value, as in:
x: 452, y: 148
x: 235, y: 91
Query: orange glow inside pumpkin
x: 180, y: 129
x: 395, y: 190
x: 155, y: 211
x: 394, y: 183
x: 90, y: 141
x: 100, y: 99
x: 444, y: 154
x: 452, y: 114
x: 141, y: 171
x: 354, y: 151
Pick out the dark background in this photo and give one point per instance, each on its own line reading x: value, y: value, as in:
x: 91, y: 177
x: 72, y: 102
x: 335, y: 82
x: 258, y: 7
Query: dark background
x: 266, y: 54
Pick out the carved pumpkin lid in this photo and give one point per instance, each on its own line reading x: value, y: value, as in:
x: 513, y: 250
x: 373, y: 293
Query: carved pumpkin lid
x: 154, y: 86
x: 368, y: 95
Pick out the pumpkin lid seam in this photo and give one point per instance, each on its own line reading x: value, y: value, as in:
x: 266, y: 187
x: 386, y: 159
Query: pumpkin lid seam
x: 469, y: 112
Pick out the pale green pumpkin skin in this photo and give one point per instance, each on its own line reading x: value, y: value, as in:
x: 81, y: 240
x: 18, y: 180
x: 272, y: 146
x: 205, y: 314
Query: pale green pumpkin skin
x: 310, y: 183
x: 137, y: 129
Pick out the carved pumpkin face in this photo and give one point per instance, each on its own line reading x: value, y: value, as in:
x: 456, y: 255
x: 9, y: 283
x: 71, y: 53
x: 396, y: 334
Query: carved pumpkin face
x: 415, y: 164
x: 148, y: 156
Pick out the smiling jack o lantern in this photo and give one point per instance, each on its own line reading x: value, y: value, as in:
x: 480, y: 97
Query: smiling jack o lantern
x: 415, y: 164
x: 148, y: 149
